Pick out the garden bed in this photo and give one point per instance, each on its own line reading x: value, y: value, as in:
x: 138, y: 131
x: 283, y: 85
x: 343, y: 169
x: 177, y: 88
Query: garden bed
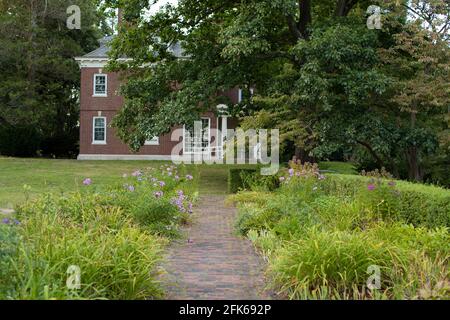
x: 114, y: 235
x: 324, y: 235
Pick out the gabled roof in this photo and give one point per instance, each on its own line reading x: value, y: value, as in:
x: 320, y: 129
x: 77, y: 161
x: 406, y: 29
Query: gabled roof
x: 101, y: 53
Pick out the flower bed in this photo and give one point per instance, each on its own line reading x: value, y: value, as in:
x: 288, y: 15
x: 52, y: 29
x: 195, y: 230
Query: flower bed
x: 322, y: 236
x: 114, y: 235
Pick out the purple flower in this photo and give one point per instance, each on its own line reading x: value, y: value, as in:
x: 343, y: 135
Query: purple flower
x: 370, y: 187
x: 190, y: 241
x: 177, y: 178
x: 321, y: 177
x: 158, y: 194
x: 189, y: 177
x: 162, y: 183
x: 180, y: 193
x: 190, y: 207
x: 87, y: 181
x: 291, y: 172
x: 137, y: 173
x: 131, y: 188
x: 16, y: 222
x: 154, y: 179
x: 5, y: 220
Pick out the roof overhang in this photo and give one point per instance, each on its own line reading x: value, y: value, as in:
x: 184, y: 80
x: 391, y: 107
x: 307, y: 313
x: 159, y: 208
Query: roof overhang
x: 92, y: 62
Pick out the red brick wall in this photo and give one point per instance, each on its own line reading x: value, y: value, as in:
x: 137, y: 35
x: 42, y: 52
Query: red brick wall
x: 107, y: 107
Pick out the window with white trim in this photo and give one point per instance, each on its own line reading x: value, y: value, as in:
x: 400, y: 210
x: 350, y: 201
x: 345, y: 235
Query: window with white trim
x: 240, y: 94
x: 99, y: 130
x: 152, y: 142
x: 100, y: 85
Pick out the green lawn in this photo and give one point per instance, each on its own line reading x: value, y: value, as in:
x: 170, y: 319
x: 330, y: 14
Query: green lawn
x: 338, y: 167
x: 45, y: 175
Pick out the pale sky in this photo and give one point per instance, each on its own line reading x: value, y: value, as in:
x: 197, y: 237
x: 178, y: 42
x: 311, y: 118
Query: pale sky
x: 161, y: 3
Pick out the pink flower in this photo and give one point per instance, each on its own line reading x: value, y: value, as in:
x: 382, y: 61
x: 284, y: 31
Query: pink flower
x: 87, y: 181
x: 371, y: 187
x: 158, y: 194
x: 189, y: 177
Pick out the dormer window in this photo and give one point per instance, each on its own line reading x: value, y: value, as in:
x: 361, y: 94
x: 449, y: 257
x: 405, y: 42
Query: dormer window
x: 100, y: 85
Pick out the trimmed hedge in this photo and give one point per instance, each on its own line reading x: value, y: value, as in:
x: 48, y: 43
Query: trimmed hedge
x: 417, y: 203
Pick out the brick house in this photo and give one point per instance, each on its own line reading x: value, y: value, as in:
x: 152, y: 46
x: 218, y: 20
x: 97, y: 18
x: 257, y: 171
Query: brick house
x: 99, y: 102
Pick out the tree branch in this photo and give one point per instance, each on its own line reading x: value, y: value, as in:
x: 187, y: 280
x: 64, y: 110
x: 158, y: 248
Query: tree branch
x: 372, y: 152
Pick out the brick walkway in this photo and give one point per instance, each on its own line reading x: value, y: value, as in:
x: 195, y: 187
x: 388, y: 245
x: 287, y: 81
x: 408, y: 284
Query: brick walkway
x: 215, y: 264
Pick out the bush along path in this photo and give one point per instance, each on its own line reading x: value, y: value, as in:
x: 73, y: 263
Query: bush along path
x: 211, y: 262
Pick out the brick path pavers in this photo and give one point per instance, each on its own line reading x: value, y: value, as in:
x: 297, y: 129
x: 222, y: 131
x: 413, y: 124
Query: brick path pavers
x: 215, y: 264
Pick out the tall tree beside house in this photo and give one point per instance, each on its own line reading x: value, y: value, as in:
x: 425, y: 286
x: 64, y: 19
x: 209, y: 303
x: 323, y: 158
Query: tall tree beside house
x: 321, y: 75
x: 40, y: 80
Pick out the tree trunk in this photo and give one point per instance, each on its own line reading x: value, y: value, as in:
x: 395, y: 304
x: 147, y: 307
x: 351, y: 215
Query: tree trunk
x: 412, y: 156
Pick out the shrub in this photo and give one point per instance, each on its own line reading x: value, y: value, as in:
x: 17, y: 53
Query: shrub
x: 321, y: 233
x: 413, y: 203
x: 250, y: 179
x: 235, y: 181
x: 19, y: 141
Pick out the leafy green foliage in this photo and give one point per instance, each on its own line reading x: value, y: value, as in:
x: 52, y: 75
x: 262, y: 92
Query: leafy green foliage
x: 40, y: 80
x: 320, y: 235
x: 115, y: 235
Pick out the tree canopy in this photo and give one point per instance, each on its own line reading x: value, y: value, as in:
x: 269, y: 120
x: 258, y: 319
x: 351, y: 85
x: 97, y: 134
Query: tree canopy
x: 330, y: 84
x: 40, y: 79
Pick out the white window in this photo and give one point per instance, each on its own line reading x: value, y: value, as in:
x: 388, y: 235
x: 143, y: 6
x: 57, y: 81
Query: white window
x: 152, y: 142
x: 240, y: 97
x: 99, y: 130
x: 100, y: 85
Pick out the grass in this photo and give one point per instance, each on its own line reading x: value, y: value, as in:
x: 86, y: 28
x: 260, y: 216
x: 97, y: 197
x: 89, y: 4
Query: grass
x: 48, y: 175
x: 338, y: 167
x: 113, y: 235
x: 62, y: 176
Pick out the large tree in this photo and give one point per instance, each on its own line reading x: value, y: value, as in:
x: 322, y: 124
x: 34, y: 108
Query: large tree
x: 40, y: 79
x: 321, y: 75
